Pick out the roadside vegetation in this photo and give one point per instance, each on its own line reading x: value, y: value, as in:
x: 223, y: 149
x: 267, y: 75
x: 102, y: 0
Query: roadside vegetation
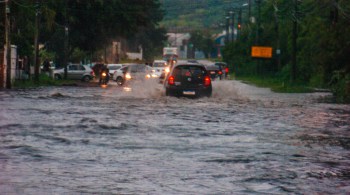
x: 44, y: 80
x: 81, y: 31
x: 322, y: 37
x: 322, y: 47
x: 277, y: 85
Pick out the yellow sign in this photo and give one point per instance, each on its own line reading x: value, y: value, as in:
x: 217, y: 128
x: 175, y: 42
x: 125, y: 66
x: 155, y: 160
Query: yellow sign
x: 261, y: 52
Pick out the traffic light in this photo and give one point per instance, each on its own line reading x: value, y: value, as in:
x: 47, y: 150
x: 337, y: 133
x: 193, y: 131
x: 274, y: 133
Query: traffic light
x: 239, y: 26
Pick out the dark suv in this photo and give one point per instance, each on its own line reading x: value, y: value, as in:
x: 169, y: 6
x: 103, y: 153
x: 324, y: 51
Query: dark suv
x: 190, y: 80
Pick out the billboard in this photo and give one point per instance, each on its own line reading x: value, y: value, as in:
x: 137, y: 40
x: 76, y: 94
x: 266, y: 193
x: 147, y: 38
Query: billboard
x: 261, y: 52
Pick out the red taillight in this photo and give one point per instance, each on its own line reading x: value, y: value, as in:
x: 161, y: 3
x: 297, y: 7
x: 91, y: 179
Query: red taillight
x: 171, y: 80
x: 220, y: 72
x: 207, y: 81
x: 226, y: 70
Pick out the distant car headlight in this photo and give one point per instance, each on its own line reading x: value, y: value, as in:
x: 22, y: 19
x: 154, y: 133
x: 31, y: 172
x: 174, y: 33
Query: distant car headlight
x: 128, y: 76
x: 167, y: 69
x: 148, y: 76
x: 104, y: 74
x: 153, y: 70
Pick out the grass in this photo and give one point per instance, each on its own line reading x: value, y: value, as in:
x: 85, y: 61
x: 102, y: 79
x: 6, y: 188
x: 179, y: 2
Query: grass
x: 276, y: 84
x: 44, y: 80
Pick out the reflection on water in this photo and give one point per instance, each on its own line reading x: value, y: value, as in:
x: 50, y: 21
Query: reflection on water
x: 243, y: 140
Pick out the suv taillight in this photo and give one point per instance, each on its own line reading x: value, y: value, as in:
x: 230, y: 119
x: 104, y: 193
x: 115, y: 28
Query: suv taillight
x: 171, y: 80
x: 207, y: 81
x: 226, y: 70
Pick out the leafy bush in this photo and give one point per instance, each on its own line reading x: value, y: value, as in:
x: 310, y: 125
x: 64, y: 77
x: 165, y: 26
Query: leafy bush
x: 340, y: 84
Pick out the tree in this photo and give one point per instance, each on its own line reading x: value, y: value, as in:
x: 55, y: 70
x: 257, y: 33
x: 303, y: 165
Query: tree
x: 91, y: 24
x: 202, y: 42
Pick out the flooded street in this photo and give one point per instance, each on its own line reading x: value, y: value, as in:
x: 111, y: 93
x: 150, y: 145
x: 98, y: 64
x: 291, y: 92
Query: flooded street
x: 242, y: 140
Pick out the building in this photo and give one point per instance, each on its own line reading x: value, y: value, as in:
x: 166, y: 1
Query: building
x: 180, y: 40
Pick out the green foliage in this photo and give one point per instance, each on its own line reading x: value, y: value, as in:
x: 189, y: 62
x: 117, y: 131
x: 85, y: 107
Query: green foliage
x: 340, y: 83
x: 276, y: 84
x: 195, y: 14
x: 323, y: 46
x: 78, y: 55
x: 202, y: 42
x: 44, y: 54
x: 45, y: 80
x: 91, y: 24
x: 152, y: 40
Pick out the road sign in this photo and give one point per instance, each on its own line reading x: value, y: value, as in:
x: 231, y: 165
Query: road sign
x: 261, y: 52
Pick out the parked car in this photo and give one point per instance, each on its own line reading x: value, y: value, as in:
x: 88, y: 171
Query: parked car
x: 76, y: 72
x: 113, y: 67
x: 188, y: 80
x: 131, y: 72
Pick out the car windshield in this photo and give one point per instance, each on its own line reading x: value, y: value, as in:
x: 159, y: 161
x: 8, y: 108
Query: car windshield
x: 113, y: 67
x: 159, y: 64
x: 137, y: 68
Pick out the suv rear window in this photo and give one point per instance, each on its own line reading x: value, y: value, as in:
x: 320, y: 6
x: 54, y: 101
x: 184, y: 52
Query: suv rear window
x: 189, y: 71
x: 189, y: 75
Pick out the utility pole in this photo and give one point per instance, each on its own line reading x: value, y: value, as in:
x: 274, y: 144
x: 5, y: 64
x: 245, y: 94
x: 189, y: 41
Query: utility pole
x: 227, y: 29
x: 36, y: 41
x: 294, y: 43
x: 249, y: 8
x: 257, y: 41
x: 258, y: 23
x: 66, y: 31
x: 232, y: 14
x: 239, y: 23
x: 278, y: 44
x: 8, y: 44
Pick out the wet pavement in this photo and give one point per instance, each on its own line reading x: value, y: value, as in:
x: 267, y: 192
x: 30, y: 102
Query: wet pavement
x: 243, y: 140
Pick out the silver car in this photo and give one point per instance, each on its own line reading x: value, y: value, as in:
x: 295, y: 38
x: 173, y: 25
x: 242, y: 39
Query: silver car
x: 131, y: 72
x: 76, y: 72
x: 113, y: 67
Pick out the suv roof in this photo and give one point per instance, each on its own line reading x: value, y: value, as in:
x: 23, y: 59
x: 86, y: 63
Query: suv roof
x: 220, y: 63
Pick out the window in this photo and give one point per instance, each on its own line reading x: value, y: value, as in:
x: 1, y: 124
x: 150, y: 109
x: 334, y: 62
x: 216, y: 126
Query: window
x: 80, y: 67
x: 73, y: 67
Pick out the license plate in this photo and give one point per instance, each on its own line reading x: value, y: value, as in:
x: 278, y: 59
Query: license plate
x: 189, y: 92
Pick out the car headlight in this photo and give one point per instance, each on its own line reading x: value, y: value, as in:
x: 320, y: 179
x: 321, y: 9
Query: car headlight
x: 167, y: 69
x: 128, y: 76
x: 104, y: 74
x: 148, y: 76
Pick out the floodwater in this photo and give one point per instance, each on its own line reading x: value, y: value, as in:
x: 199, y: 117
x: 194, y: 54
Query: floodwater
x: 243, y: 140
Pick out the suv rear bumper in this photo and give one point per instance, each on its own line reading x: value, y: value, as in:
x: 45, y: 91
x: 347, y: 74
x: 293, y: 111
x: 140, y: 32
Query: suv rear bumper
x: 189, y: 92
